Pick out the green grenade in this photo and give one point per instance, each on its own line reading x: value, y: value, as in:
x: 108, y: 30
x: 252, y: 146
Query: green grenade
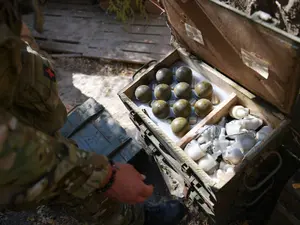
x: 161, y: 109
x: 162, y: 92
x: 184, y: 74
x: 143, y: 93
x: 180, y: 126
x: 182, y: 108
x: 204, y: 89
x: 203, y: 107
x: 164, y: 76
x: 183, y: 90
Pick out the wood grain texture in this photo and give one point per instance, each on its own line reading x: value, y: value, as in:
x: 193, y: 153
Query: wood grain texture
x: 82, y: 28
x: 225, y: 33
x: 212, y: 118
x: 92, y: 127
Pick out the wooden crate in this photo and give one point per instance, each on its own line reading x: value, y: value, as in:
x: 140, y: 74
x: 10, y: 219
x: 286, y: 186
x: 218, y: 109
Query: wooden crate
x: 216, y: 197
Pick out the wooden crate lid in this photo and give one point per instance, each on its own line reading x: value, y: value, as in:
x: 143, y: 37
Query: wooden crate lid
x: 263, y: 59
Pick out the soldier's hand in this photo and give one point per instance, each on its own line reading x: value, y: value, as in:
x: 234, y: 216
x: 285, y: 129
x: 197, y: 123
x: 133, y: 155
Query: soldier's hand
x: 129, y: 186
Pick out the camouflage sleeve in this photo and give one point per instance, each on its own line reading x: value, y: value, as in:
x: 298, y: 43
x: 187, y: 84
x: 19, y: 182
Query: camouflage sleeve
x: 34, y: 167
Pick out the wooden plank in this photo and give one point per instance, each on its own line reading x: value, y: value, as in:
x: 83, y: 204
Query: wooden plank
x: 98, y: 15
x: 75, y: 5
x: 62, y: 47
x: 88, y: 7
x: 85, y: 30
x: 95, y: 130
x: 156, y: 49
x: 80, y: 116
x: 79, y: 2
x: 108, y: 53
x: 66, y: 55
x: 109, y: 37
x: 144, y: 48
x: 212, y: 118
x: 82, y: 25
x: 78, y: 29
x: 123, y: 56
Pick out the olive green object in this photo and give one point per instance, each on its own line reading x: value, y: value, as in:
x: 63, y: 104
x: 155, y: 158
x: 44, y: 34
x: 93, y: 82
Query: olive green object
x: 182, y: 108
x: 164, y: 76
x: 180, y: 126
x: 204, y: 89
x: 203, y: 107
x: 183, y: 90
x: 161, y: 109
x: 143, y: 93
x: 162, y: 92
x: 184, y: 74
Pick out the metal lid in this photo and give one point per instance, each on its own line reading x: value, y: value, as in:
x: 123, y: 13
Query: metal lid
x: 262, y: 58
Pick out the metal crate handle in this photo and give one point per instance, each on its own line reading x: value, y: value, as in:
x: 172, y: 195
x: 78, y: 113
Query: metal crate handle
x: 249, y: 204
x: 257, y: 186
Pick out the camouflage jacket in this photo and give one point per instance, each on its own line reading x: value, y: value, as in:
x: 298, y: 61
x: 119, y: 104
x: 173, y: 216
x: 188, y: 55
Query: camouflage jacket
x: 35, y: 167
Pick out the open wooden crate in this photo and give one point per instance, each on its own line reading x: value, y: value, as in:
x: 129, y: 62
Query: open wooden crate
x: 214, y: 195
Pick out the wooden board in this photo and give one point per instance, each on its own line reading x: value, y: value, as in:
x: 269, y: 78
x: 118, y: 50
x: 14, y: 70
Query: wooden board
x: 212, y: 118
x: 82, y: 28
x: 263, y: 59
x: 221, y: 192
x: 92, y: 127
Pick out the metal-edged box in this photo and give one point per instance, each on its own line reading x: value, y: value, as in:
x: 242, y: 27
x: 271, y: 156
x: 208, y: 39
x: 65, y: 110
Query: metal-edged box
x: 260, y: 71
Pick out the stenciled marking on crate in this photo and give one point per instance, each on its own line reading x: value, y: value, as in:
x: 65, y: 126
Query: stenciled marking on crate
x: 256, y: 63
x: 194, y: 33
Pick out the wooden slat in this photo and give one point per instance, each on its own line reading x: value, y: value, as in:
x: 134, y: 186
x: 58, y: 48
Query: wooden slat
x: 75, y: 5
x: 103, y: 22
x: 99, y: 15
x: 105, y: 36
x: 108, y: 53
x: 156, y: 49
x: 123, y: 56
x: 86, y: 30
x: 82, y: 2
x: 105, y: 25
x: 102, y: 48
x: 66, y: 55
x: 92, y: 127
x: 212, y: 118
x: 62, y: 47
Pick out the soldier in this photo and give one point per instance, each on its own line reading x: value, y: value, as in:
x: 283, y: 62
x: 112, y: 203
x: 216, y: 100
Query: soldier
x: 38, y: 166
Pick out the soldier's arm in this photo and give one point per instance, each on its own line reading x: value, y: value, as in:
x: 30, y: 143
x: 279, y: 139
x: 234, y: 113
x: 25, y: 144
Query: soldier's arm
x: 35, y: 167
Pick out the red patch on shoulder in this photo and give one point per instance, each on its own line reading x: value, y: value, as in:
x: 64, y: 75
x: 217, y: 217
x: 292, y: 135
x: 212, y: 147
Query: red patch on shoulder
x: 49, y: 73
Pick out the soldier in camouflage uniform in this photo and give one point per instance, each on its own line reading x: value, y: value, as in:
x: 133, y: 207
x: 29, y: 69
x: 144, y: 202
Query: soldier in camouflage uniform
x: 38, y: 166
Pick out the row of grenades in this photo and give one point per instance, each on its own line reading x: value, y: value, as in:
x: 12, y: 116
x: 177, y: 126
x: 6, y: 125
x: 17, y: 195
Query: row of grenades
x: 183, y: 92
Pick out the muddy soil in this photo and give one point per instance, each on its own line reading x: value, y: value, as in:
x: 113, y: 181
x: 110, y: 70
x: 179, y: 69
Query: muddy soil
x: 286, y: 12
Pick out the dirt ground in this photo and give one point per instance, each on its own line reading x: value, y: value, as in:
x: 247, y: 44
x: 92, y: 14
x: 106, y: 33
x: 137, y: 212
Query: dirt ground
x: 287, y: 12
x: 80, y: 79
